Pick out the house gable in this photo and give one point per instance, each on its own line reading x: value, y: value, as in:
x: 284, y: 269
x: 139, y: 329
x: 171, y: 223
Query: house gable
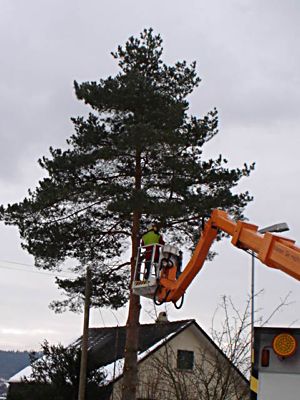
x: 159, y: 368
x: 185, y: 339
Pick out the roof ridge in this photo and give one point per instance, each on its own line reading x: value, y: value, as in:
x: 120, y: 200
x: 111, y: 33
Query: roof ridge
x: 147, y: 324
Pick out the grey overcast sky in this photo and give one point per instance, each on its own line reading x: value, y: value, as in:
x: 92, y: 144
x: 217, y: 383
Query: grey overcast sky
x: 248, y: 57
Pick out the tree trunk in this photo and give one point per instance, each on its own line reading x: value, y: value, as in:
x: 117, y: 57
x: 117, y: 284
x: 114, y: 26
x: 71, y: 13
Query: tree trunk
x: 130, y: 373
x: 85, y: 337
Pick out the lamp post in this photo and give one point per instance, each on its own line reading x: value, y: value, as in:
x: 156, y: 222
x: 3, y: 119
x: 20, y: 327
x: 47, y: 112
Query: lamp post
x: 281, y: 227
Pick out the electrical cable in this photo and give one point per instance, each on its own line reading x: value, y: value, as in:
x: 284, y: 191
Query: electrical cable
x: 31, y: 271
x: 180, y: 304
x: 65, y: 274
x: 101, y: 316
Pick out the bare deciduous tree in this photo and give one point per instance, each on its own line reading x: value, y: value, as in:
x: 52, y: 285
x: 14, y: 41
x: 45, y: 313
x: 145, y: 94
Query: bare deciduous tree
x: 213, y: 377
x: 220, y: 369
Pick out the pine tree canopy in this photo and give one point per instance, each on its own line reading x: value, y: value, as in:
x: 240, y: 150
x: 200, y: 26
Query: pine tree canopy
x: 138, y: 151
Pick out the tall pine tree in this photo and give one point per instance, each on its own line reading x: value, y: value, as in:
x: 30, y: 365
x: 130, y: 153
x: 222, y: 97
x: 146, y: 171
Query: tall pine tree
x: 136, y: 157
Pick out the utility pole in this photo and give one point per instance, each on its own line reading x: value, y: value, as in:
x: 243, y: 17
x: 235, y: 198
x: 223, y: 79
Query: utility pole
x: 85, y: 336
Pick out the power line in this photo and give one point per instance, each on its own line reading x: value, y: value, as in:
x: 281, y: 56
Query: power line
x: 34, y: 266
x: 34, y: 271
x: 102, y: 317
x: 18, y: 263
x: 29, y: 271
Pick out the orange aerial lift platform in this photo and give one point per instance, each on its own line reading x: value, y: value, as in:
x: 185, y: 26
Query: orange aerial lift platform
x: 165, y: 285
x: 276, y: 359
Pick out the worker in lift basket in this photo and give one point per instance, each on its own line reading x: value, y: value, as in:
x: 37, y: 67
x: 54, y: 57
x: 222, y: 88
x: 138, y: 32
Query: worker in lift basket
x: 149, y: 239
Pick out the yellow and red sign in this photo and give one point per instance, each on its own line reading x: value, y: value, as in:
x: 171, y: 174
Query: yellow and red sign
x: 284, y: 344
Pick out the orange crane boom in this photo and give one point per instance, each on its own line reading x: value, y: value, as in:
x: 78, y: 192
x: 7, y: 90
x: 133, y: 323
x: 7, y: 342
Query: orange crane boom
x: 274, y: 251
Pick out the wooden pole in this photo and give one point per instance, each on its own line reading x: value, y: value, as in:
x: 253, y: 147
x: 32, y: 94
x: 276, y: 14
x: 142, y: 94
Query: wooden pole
x: 85, y: 337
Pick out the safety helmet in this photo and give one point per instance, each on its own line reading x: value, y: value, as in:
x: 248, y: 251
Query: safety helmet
x: 151, y: 226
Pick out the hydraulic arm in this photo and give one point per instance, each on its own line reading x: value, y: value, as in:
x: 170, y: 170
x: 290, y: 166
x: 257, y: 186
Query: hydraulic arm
x: 274, y: 251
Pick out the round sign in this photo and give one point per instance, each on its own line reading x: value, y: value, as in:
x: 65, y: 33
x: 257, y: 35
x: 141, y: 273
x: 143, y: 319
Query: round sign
x: 284, y: 344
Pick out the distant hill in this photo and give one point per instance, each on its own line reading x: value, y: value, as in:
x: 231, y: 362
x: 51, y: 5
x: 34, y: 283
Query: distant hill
x: 12, y: 361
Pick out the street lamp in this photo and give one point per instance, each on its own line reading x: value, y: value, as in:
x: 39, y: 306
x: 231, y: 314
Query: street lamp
x: 276, y: 228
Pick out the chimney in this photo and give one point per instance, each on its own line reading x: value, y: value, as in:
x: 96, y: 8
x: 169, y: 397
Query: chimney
x: 162, y: 317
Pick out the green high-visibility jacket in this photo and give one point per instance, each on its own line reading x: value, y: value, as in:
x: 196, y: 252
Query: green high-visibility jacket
x: 149, y: 239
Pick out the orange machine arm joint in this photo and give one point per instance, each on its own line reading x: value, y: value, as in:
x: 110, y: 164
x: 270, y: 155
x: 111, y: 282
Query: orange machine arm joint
x: 274, y: 251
